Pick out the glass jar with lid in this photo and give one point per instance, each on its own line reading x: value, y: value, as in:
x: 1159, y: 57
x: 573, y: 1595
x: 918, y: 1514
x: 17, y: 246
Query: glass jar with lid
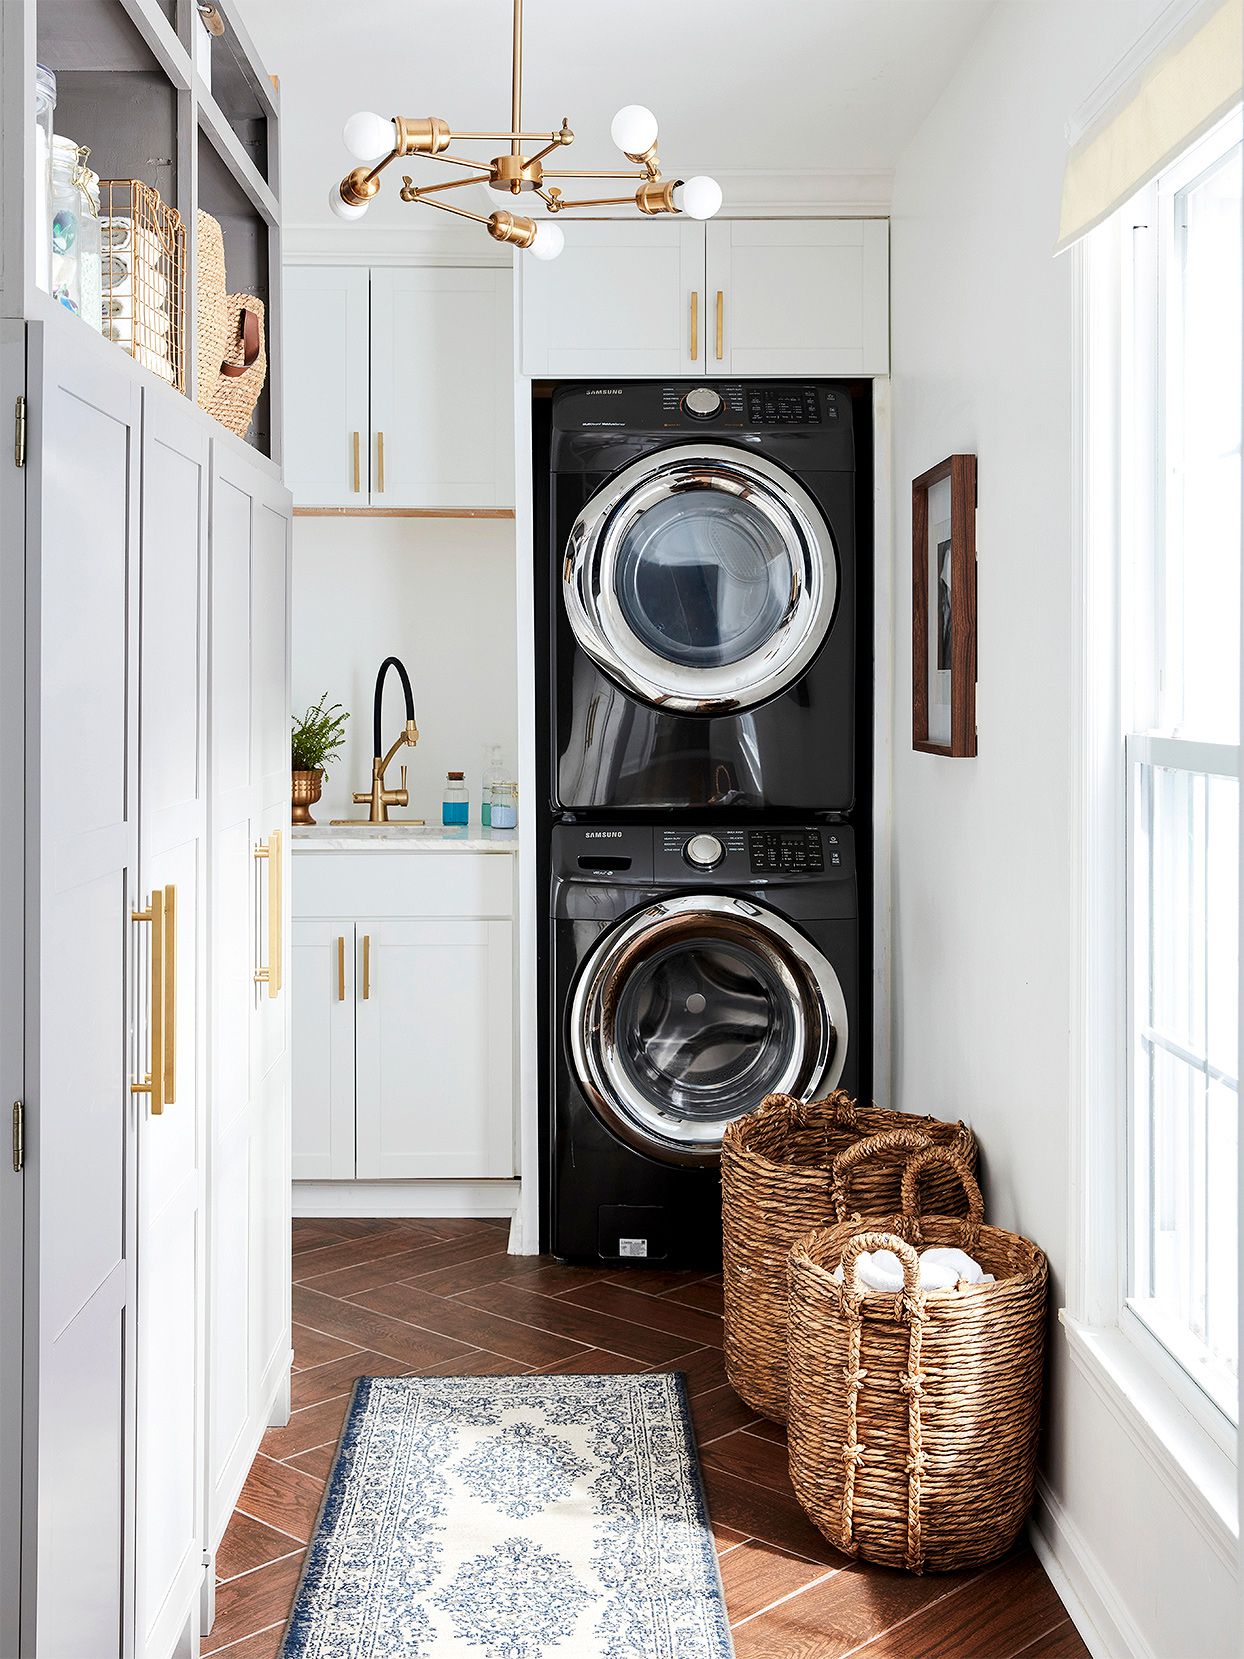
x: 504, y: 804
x: 45, y: 105
x: 66, y: 216
x: 455, y: 805
x: 89, y: 232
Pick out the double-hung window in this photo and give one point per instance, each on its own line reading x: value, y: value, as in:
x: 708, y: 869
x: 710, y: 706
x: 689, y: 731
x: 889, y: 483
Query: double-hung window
x: 1179, y: 704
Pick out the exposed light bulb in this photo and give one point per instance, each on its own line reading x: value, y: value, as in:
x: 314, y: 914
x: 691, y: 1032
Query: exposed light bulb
x: 634, y: 130
x: 368, y: 136
x: 549, y: 241
x: 342, y: 208
x: 699, y: 197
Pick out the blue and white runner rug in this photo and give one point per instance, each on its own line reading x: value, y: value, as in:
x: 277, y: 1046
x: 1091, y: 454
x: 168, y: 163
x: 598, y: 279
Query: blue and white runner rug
x: 550, y: 1517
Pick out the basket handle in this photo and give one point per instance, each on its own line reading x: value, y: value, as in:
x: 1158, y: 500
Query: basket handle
x: 880, y: 1241
x: 248, y: 334
x: 838, y: 1109
x: 874, y: 1146
x: 953, y: 1158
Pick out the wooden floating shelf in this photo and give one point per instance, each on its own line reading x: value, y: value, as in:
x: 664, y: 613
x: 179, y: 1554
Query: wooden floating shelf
x: 403, y: 512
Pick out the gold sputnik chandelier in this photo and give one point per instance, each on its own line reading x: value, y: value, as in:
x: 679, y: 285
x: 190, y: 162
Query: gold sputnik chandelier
x: 376, y: 143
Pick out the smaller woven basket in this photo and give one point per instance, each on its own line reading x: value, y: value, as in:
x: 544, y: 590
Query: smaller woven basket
x: 232, y: 363
x: 777, y: 1180
x: 914, y: 1417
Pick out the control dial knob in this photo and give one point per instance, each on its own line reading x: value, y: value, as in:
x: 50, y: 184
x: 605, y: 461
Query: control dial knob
x: 702, y: 402
x: 705, y: 852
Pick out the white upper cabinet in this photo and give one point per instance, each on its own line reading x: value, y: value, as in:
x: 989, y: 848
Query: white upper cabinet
x: 442, y: 388
x: 798, y: 296
x: 679, y: 298
x: 399, y: 387
x: 326, y: 395
x: 625, y: 297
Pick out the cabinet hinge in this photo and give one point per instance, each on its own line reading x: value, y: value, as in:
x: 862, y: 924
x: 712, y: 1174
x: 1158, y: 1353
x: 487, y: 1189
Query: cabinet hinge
x: 19, y: 431
x: 19, y: 1136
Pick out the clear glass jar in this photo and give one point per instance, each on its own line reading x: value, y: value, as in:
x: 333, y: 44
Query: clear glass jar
x: 66, y: 210
x: 494, y: 772
x: 89, y: 241
x: 455, y: 805
x: 504, y: 804
x: 45, y: 105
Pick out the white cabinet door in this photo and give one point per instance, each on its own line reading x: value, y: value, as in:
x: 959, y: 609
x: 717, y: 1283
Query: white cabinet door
x: 435, y: 1051
x: 442, y: 388
x: 169, y: 1554
x: 82, y: 494
x: 624, y: 298
x: 325, y: 396
x: 798, y: 296
x: 322, y: 1000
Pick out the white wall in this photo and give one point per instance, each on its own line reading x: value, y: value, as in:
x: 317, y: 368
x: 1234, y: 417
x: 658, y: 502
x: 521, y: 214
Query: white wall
x: 984, y: 332
x: 439, y: 594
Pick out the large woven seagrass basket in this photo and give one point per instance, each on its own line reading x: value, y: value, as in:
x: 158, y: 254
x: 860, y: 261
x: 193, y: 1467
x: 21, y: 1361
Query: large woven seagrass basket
x: 777, y: 1184
x: 914, y: 1417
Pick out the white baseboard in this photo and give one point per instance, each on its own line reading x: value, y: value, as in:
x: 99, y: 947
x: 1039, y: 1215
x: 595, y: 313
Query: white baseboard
x: 1105, y: 1625
x: 405, y: 1198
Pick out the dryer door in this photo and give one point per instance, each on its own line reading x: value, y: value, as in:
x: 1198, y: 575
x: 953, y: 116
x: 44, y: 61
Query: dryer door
x: 702, y: 578
x: 692, y: 1010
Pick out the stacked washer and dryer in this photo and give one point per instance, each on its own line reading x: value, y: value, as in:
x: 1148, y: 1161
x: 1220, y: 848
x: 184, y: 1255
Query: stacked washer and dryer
x: 704, y: 945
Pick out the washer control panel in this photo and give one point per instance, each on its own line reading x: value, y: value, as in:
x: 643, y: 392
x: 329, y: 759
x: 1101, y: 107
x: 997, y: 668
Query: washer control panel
x: 704, y: 851
x: 780, y: 851
x: 703, y: 402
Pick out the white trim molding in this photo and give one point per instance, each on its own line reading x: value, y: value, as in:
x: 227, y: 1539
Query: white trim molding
x: 1081, y: 1584
x: 415, y: 1199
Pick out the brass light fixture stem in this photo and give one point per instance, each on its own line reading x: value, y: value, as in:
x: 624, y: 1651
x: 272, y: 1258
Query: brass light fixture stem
x: 462, y: 161
x: 416, y: 192
x: 590, y: 173
x: 445, y: 207
x: 516, y: 86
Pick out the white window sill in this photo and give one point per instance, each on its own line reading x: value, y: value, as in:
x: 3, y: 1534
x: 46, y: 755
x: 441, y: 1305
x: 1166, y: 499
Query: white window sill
x: 1186, y: 1457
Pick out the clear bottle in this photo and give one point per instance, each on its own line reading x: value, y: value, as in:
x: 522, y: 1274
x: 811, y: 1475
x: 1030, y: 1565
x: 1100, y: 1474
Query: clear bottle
x: 90, y: 258
x: 455, y: 805
x: 504, y: 813
x: 66, y: 211
x: 493, y: 772
x: 45, y: 105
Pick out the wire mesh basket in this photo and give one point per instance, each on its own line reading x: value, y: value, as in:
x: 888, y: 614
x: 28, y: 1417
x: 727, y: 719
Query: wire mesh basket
x: 143, y: 277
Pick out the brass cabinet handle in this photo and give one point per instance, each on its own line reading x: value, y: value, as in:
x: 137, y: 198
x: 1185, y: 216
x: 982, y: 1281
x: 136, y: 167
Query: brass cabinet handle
x: 161, y: 1080
x: 380, y: 463
x: 357, y: 465
x: 366, y: 966
x: 341, y: 967
x: 695, y: 324
x: 721, y: 318
x: 271, y: 975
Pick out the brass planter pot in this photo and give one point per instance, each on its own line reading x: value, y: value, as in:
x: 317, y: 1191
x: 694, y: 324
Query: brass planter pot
x: 304, y: 792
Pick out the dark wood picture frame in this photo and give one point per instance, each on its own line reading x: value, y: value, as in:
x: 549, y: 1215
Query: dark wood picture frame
x: 961, y: 471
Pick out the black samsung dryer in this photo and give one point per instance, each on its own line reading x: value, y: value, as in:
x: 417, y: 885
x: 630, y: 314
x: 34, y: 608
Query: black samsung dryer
x: 702, y: 589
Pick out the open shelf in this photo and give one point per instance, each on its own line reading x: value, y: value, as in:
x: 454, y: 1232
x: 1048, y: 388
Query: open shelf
x: 247, y: 238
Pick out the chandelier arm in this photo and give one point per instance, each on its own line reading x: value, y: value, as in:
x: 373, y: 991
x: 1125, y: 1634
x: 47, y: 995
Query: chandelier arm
x: 416, y: 193
x: 516, y: 78
x: 448, y: 207
x: 508, y: 137
x: 589, y: 173
x: 600, y: 201
x: 459, y: 161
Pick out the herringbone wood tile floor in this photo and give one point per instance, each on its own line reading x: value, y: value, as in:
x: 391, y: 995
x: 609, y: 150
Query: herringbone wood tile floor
x: 427, y: 1298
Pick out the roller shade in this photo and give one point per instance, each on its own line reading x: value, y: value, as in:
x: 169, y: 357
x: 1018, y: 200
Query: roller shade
x: 1178, y: 97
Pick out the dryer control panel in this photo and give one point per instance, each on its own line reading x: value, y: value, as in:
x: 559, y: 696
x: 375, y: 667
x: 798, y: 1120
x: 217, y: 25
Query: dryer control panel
x: 704, y: 855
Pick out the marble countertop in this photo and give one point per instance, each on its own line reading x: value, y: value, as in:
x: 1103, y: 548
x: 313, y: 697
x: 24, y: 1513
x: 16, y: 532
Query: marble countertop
x: 402, y: 838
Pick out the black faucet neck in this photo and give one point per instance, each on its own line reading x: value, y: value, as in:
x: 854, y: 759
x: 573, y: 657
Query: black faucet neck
x: 385, y: 666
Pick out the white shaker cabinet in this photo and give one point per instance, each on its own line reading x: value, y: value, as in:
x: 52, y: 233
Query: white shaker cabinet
x: 399, y: 388
x: 323, y: 981
x: 797, y: 296
x: 676, y: 298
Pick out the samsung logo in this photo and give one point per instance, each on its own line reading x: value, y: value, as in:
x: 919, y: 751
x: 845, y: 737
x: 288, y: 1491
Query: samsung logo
x: 604, y: 391
x: 602, y: 835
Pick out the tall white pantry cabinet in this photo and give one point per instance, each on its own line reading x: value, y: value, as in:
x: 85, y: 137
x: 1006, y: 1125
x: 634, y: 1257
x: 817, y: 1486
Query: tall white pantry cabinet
x: 145, y: 1341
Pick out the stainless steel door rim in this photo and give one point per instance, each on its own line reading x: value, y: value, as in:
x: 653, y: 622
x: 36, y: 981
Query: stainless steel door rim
x: 792, y: 603
x: 608, y: 1061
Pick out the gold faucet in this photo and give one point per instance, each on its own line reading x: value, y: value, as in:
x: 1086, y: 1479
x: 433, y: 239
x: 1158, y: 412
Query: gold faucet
x: 379, y: 799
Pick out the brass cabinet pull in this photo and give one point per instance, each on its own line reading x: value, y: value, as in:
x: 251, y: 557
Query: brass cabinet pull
x: 341, y: 967
x: 357, y: 465
x: 366, y: 966
x: 380, y: 463
x: 695, y: 324
x: 721, y: 319
x: 271, y: 975
x: 160, y: 1081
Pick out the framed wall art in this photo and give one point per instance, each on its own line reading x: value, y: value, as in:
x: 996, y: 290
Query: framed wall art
x: 943, y: 608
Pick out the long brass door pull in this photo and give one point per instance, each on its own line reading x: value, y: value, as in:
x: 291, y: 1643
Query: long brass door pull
x: 271, y: 975
x: 380, y: 463
x: 341, y: 967
x: 695, y: 324
x: 721, y: 324
x: 160, y: 1082
x: 366, y: 966
x: 357, y: 466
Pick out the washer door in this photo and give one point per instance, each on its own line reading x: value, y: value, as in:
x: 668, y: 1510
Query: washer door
x: 692, y: 1010
x: 702, y: 578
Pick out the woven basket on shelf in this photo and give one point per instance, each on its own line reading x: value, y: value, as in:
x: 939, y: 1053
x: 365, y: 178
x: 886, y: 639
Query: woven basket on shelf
x: 777, y: 1185
x: 232, y: 360
x: 914, y: 1417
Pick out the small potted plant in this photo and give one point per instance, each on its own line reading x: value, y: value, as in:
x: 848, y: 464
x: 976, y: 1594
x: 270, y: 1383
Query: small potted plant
x: 317, y: 736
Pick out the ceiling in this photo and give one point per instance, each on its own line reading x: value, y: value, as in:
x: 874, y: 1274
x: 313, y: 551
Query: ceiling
x: 802, y: 86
